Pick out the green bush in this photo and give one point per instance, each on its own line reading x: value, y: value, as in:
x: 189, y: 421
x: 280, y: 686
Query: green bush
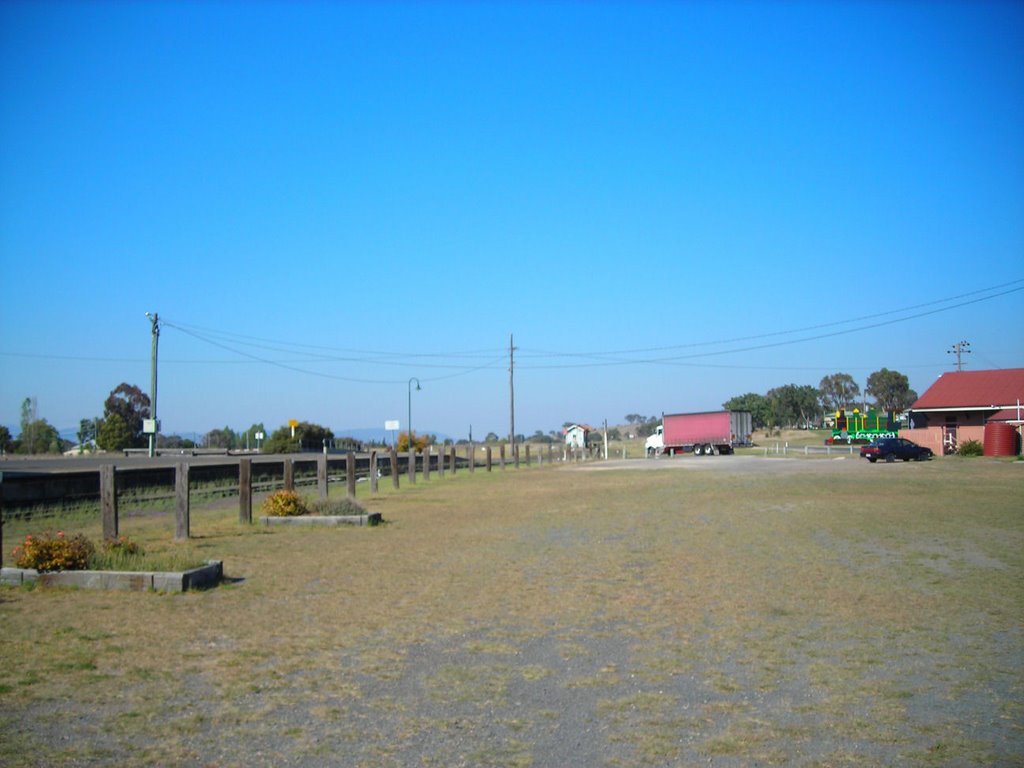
x: 971, y: 448
x: 120, y: 554
x: 345, y: 506
x: 284, y: 504
x: 48, y: 552
x: 122, y: 545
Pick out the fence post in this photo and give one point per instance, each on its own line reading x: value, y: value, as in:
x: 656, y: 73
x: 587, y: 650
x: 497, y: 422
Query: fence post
x: 454, y: 463
x: 108, y: 500
x: 487, y: 457
x: 501, y: 455
x: 181, y: 502
x: 350, y: 474
x: 412, y: 464
x: 527, y: 446
x: 471, y: 456
x: 373, y: 471
x: 551, y: 453
x: 245, y: 491
x: 426, y: 463
x: 515, y: 455
x: 321, y: 475
x: 394, y: 468
x: 289, y: 474
x: 440, y: 460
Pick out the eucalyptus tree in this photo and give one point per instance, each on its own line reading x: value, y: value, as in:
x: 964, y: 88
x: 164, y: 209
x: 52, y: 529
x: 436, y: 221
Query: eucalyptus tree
x: 838, y: 391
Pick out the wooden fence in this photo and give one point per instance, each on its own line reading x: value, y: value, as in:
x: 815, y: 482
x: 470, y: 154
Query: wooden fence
x: 329, y: 470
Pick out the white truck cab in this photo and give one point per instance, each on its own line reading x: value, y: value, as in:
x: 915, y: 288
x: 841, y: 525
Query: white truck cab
x: 654, y: 444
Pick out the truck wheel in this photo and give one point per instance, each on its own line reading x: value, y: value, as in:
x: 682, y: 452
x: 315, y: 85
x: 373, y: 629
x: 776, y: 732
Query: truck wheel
x: 698, y: 450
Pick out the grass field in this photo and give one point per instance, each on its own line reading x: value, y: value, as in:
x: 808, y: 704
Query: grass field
x: 747, y: 611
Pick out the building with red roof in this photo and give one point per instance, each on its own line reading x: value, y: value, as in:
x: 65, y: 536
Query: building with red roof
x: 960, y: 404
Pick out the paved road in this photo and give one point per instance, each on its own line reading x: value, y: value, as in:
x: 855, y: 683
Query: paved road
x: 744, y: 464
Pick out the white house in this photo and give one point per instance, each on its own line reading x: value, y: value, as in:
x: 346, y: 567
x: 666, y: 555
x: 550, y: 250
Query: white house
x: 576, y: 435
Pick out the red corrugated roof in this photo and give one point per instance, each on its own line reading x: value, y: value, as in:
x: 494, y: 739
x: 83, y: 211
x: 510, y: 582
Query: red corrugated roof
x: 974, y: 389
x: 1008, y: 414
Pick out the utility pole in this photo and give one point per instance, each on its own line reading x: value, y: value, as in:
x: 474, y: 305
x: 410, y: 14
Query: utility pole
x: 511, y: 396
x: 958, y: 349
x: 155, y: 321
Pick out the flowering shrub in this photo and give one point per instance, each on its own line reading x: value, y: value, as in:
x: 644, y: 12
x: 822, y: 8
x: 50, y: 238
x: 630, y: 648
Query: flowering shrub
x: 284, y: 504
x: 46, y: 552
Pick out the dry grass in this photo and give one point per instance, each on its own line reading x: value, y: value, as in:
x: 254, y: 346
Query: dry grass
x: 864, y: 616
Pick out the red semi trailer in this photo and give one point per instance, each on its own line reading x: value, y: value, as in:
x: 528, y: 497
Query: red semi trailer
x: 706, y: 433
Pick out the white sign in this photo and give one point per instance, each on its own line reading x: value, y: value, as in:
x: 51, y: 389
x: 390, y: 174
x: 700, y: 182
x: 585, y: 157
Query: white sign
x: 392, y: 425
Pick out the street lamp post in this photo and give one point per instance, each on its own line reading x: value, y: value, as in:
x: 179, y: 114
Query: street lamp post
x: 154, y: 320
x: 409, y: 427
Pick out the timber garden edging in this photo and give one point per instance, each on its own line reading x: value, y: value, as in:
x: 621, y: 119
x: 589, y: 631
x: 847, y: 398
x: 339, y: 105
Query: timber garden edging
x: 371, y: 518
x: 209, y: 575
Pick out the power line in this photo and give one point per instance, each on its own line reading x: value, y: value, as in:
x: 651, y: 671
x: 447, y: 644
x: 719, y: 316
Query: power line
x: 607, y: 353
x: 288, y: 346
x: 321, y: 374
x: 601, y: 359
x: 490, y: 358
x: 674, y: 360
x: 493, y: 363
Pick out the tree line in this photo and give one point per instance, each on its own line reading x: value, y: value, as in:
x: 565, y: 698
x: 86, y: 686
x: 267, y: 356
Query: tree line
x: 127, y: 407
x: 803, y: 406
x: 36, y: 436
x: 121, y: 427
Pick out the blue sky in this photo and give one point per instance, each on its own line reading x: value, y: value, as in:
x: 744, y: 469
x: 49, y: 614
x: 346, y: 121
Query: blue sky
x: 665, y: 203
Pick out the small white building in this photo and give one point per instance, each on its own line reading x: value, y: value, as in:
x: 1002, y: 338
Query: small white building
x: 576, y: 435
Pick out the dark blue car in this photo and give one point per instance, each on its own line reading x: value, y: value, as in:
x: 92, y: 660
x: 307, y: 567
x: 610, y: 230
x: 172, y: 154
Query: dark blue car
x: 892, y: 448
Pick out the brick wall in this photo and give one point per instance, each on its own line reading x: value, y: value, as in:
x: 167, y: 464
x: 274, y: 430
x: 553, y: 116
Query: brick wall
x: 931, y: 437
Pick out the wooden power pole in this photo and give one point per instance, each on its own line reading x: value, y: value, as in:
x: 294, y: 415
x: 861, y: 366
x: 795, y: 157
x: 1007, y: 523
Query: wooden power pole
x: 511, y: 395
x: 959, y: 349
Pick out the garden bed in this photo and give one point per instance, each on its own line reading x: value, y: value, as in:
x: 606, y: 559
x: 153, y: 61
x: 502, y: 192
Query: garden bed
x: 209, y: 575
